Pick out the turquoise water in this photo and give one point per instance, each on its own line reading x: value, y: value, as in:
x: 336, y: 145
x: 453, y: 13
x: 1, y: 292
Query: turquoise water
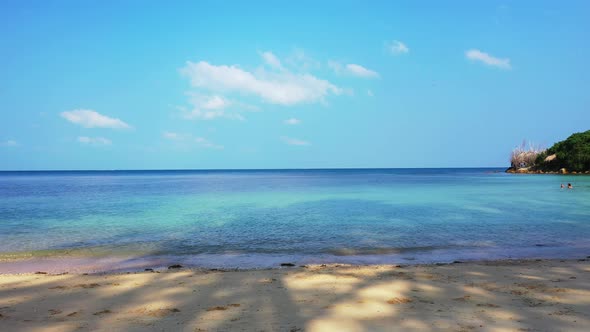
x: 260, y: 218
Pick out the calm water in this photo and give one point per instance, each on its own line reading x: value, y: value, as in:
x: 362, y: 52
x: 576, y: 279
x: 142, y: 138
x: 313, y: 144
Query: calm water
x: 260, y: 218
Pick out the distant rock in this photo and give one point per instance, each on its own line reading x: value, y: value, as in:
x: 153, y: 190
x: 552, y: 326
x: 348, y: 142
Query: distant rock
x: 175, y: 266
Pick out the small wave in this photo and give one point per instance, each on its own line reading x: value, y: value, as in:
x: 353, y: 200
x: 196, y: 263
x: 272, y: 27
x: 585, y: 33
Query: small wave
x: 386, y: 251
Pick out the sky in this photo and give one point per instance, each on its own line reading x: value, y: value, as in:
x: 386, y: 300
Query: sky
x: 287, y: 84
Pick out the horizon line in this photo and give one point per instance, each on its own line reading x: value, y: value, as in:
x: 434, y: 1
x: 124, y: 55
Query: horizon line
x: 245, y: 169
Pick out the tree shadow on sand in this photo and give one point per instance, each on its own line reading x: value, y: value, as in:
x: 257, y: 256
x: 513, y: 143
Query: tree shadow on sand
x: 525, y: 296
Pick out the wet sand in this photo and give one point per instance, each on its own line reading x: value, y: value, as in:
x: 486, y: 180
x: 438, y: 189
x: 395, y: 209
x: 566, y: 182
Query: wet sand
x: 549, y: 295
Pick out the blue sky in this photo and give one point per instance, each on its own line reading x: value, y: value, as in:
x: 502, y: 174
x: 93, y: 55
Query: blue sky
x: 254, y: 84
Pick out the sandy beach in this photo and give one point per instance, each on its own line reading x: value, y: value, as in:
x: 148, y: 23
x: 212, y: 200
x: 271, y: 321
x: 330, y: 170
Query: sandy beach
x: 547, y: 295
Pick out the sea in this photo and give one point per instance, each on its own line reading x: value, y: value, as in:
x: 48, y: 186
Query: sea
x: 248, y: 219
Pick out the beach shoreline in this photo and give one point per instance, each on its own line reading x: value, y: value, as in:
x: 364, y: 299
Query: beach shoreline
x: 112, y: 262
x: 515, y: 295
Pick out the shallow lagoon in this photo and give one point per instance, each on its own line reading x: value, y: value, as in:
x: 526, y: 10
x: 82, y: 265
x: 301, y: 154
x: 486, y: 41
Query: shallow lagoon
x: 259, y: 218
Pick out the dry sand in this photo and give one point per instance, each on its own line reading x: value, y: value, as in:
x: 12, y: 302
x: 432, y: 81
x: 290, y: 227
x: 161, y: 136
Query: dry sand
x: 494, y: 296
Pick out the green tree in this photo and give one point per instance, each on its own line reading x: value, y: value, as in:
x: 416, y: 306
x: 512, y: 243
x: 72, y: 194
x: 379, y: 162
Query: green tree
x: 572, y: 154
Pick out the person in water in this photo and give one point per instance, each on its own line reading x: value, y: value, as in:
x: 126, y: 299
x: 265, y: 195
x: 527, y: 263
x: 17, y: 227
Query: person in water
x: 562, y: 186
x: 569, y: 186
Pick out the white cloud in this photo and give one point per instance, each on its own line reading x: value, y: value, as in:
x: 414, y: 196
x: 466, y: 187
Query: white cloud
x: 352, y: 69
x: 9, y: 143
x: 361, y: 71
x: 477, y: 55
x: 370, y: 93
x: 205, y: 143
x: 294, y: 141
x: 396, y: 47
x: 215, y: 102
x: 94, y: 140
x: 283, y: 88
x: 171, y: 135
x: 190, y: 139
x: 272, y: 60
x: 292, y: 121
x: 92, y: 119
x: 208, y: 108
